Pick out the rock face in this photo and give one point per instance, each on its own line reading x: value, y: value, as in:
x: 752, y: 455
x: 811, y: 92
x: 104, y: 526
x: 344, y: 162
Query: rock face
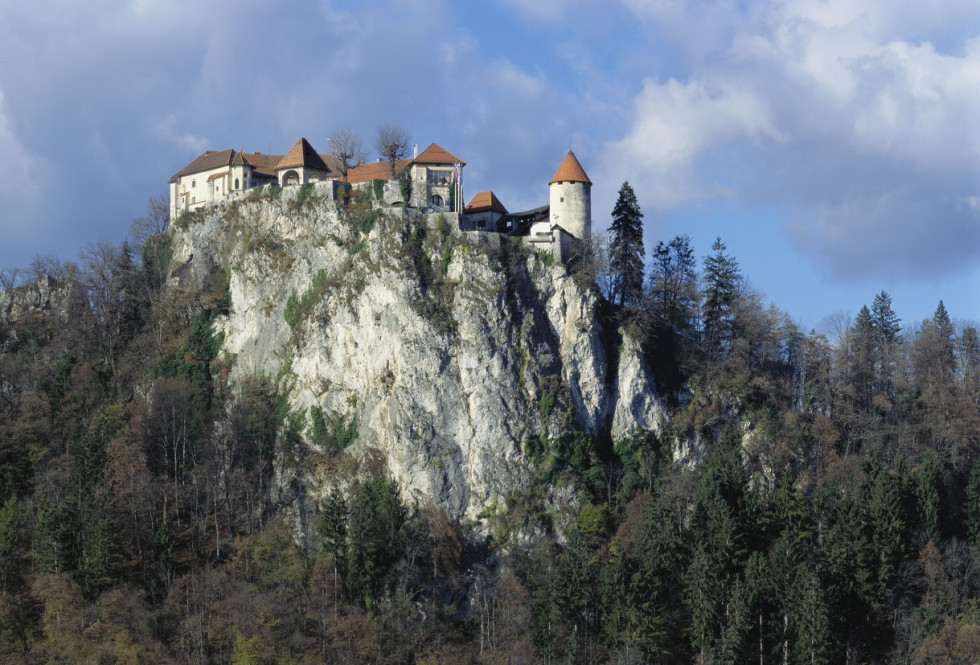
x: 50, y: 295
x: 439, y: 347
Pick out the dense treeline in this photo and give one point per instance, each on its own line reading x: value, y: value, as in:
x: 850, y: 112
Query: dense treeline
x: 813, y: 500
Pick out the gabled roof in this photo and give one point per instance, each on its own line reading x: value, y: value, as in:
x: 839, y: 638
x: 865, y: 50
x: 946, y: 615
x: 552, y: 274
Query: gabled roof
x: 436, y: 154
x: 570, y: 171
x: 485, y: 200
x: 366, y: 171
x: 260, y: 163
x: 214, y: 159
x: 333, y: 164
x: 302, y: 154
x: 209, y: 159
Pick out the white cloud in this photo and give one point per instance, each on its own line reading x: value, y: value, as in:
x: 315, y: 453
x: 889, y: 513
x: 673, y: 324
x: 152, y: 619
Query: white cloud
x: 870, y: 138
x: 674, y: 124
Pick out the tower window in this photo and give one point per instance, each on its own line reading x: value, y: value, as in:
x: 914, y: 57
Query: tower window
x: 563, y: 199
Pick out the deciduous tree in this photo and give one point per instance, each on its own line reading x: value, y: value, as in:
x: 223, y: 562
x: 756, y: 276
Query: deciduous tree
x: 348, y: 149
x: 391, y: 142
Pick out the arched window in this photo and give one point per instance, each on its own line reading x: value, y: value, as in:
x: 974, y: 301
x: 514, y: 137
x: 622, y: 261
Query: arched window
x: 436, y: 201
x: 236, y: 183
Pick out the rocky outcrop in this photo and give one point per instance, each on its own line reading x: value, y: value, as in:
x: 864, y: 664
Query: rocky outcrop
x: 47, y: 295
x: 440, y: 348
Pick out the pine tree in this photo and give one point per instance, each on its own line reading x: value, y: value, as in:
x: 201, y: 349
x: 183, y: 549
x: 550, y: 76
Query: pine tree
x: 885, y: 321
x: 626, y: 249
x: 885, y: 325
x: 862, y: 358
x: 721, y: 294
x: 375, y: 536
x: 944, y: 331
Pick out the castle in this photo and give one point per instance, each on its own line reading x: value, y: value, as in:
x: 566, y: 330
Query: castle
x: 561, y: 228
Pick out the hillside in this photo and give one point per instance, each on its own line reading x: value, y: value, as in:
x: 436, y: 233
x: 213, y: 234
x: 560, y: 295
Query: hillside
x: 302, y: 428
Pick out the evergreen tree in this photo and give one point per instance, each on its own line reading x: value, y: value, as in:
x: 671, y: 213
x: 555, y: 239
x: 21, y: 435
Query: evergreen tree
x: 885, y: 324
x: 721, y: 295
x: 861, y: 368
x: 375, y: 531
x: 885, y: 321
x: 972, y: 506
x: 626, y: 249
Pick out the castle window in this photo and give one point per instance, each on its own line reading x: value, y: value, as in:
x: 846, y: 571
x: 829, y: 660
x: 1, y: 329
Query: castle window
x: 436, y: 200
x: 439, y: 177
x: 563, y: 199
x: 236, y: 183
x: 193, y: 183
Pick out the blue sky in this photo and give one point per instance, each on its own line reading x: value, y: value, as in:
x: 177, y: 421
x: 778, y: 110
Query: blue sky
x: 833, y: 145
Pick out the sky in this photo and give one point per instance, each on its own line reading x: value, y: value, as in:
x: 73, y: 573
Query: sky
x: 833, y: 145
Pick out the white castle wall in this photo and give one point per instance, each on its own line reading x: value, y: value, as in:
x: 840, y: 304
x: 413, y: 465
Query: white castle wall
x: 571, y: 208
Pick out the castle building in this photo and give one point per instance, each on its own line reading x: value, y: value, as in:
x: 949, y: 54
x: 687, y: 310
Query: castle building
x: 562, y: 228
x: 432, y: 173
x: 216, y: 176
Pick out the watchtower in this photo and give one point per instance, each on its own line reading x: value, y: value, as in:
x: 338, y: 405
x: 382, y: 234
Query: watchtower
x: 571, y: 198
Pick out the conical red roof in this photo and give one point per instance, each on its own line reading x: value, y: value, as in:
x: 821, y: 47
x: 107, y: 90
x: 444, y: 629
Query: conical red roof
x: 302, y: 154
x: 570, y: 171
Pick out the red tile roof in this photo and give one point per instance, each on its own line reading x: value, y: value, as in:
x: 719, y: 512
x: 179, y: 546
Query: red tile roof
x: 262, y: 164
x: 209, y: 159
x: 302, y: 154
x: 436, y: 154
x: 373, y: 170
x: 570, y: 171
x: 485, y: 200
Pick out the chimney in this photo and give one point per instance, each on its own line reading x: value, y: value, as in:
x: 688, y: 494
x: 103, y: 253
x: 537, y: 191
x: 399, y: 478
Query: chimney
x: 416, y: 151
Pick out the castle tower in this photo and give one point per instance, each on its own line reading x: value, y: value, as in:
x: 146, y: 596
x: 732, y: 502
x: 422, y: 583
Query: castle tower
x: 571, y: 198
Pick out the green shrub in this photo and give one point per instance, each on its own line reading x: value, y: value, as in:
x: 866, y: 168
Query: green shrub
x: 158, y: 251
x: 305, y: 191
x: 299, y: 307
x: 331, y: 431
x: 378, y: 186
x: 405, y: 182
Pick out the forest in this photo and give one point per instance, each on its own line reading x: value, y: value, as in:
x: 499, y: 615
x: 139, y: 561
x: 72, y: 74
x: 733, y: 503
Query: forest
x: 813, y: 499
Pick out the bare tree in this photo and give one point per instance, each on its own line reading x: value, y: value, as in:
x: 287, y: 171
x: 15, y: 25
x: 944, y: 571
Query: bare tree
x: 347, y: 148
x: 596, y: 261
x: 156, y: 220
x: 391, y: 142
x: 10, y: 278
x: 45, y: 266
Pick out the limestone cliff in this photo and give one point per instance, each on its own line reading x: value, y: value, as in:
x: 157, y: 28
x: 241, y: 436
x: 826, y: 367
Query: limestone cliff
x: 438, y: 344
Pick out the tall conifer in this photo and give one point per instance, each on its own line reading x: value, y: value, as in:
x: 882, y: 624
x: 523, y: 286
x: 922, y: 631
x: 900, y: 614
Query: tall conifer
x: 626, y: 249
